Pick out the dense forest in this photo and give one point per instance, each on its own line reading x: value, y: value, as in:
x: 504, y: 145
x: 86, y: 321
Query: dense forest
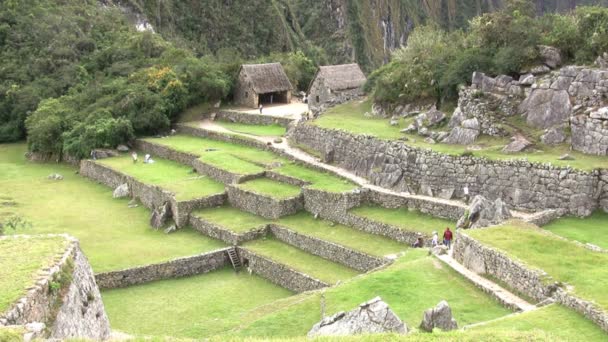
x: 78, y: 74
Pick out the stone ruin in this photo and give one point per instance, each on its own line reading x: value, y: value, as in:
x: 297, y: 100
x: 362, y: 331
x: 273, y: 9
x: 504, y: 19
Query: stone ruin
x: 484, y: 213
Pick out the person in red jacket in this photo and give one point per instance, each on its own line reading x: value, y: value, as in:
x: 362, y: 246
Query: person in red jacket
x: 447, y: 237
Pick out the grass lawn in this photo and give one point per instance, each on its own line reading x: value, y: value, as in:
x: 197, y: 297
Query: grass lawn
x: 350, y: 117
x: 563, y: 260
x: 411, y: 285
x: 572, y: 325
x: 231, y: 218
x: 175, y: 177
x: 412, y: 220
x: 270, y: 188
x: 316, y: 267
x: 231, y: 163
x: 371, y: 244
x: 112, y: 235
x: 592, y: 229
x: 193, y: 307
x: 20, y: 262
x: 259, y: 130
x: 319, y: 180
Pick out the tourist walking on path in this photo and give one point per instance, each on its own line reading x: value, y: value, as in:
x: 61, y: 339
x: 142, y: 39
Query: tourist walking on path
x: 261, y: 108
x: 447, y: 237
x: 435, y: 240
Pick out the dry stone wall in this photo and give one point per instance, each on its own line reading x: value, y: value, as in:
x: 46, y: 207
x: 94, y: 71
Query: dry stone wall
x: 226, y: 235
x: 252, y: 119
x: 74, y: 311
x: 177, y: 268
x: 262, y: 205
x: 280, y: 274
x: 397, y: 166
x: 165, y: 152
x: 348, y: 257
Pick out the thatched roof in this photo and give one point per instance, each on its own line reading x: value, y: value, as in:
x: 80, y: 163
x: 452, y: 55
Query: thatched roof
x: 341, y: 77
x: 267, y: 78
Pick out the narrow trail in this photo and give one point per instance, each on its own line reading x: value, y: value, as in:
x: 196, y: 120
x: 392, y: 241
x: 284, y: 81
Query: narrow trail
x: 300, y: 155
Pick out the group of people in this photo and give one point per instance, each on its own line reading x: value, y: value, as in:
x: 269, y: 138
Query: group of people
x: 147, y: 158
x: 447, y: 239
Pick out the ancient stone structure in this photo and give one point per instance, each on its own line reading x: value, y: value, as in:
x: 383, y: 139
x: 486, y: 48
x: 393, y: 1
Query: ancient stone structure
x: 262, y: 84
x: 483, y: 213
x: 335, y: 84
x: 263, y: 205
x: 372, y: 317
x: 251, y: 119
x: 590, y: 132
x: 74, y: 311
x: 439, y: 317
x: 520, y: 184
x: 226, y: 235
x: 177, y: 268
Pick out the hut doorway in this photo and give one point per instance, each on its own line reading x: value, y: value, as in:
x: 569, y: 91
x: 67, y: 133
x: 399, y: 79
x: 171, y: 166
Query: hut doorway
x: 276, y: 97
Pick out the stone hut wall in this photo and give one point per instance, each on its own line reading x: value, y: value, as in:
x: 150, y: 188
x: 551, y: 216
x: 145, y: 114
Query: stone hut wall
x: 280, y: 274
x: 397, y: 166
x: 74, y: 311
x: 244, y: 94
x: 177, y: 268
x: 252, y: 119
x: 261, y: 205
x: 482, y: 259
x: 322, y: 98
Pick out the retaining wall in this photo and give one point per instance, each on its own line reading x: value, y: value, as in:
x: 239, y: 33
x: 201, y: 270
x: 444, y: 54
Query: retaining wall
x: 165, y: 152
x: 73, y: 311
x: 328, y: 250
x: 228, y: 236
x: 533, y: 283
x: 151, y: 196
x: 397, y: 166
x: 280, y: 274
x: 252, y: 119
x: 177, y: 268
x: 262, y: 205
x: 221, y: 175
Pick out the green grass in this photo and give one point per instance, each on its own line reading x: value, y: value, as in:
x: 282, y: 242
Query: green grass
x: 194, y: 113
x: 112, y: 235
x: 563, y: 324
x: 258, y: 130
x: 175, y: 177
x: 231, y: 163
x: 403, y: 218
x: 193, y: 307
x: 299, y: 260
x: 12, y: 334
x: 592, y: 229
x: 371, y: 244
x: 270, y: 188
x: 350, y: 117
x: 231, y: 218
x: 318, y: 179
x: 411, y: 285
x: 562, y: 260
x: 20, y: 261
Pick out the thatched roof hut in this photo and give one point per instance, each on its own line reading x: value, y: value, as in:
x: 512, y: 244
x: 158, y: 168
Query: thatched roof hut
x: 341, y: 77
x: 262, y: 83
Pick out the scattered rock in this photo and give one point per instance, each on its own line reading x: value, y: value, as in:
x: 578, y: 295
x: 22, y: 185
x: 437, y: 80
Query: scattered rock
x: 170, y: 229
x: 394, y: 122
x: 552, y: 57
x: 379, y: 111
x: 439, y: 250
x: 430, y: 140
x: 277, y: 141
x: 600, y: 114
x: 518, y: 144
x: 372, y: 317
x: 483, y: 213
x: 121, y: 191
x: 103, y: 153
x: 439, y: 317
x: 527, y: 80
x: 566, y: 157
x: 55, y: 176
x: 539, y: 70
x: 553, y: 136
x: 122, y: 148
x: 431, y: 118
x: 133, y: 203
x: 160, y: 216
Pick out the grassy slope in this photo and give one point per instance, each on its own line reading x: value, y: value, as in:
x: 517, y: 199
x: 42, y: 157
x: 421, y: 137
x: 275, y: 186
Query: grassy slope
x: 593, y: 229
x: 270, y: 188
x: 410, y: 286
x: 299, y: 260
x: 169, y: 175
x: 112, y: 235
x: 259, y: 130
x: 194, y: 307
x: 561, y: 259
x: 371, y: 244
x: 20, y: 262
x: 403, y: 218
x: 231, y: 218
x: 319, y: 180
x: 350, y: 117
x: 572, y: 325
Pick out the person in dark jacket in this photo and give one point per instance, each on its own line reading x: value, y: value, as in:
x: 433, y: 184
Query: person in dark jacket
x: 447, y: 237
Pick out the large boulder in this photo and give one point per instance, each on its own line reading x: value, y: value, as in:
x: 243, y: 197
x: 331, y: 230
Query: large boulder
x: 160, y: 215
x: 551, y: 56
x: 518, y: 144
x: 553, y: 136
x: 545, y: 108
x: 465, y: 133
x: 431, y: 118
x: 372, y: 317
x: 483, y: 213
x: 439, y: 317
x: 121, y: 191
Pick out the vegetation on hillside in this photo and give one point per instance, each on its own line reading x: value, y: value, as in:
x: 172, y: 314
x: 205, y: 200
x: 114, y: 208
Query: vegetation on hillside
x: 436, y: 62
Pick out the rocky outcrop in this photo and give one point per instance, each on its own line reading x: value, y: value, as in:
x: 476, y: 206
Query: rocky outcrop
x: 545, y: 108
x: 518, y: 143
x: 483, y: 213
x: 554, y: 136
x: 438, y: 317
x: 372, y: 317
x: 550, y: 56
